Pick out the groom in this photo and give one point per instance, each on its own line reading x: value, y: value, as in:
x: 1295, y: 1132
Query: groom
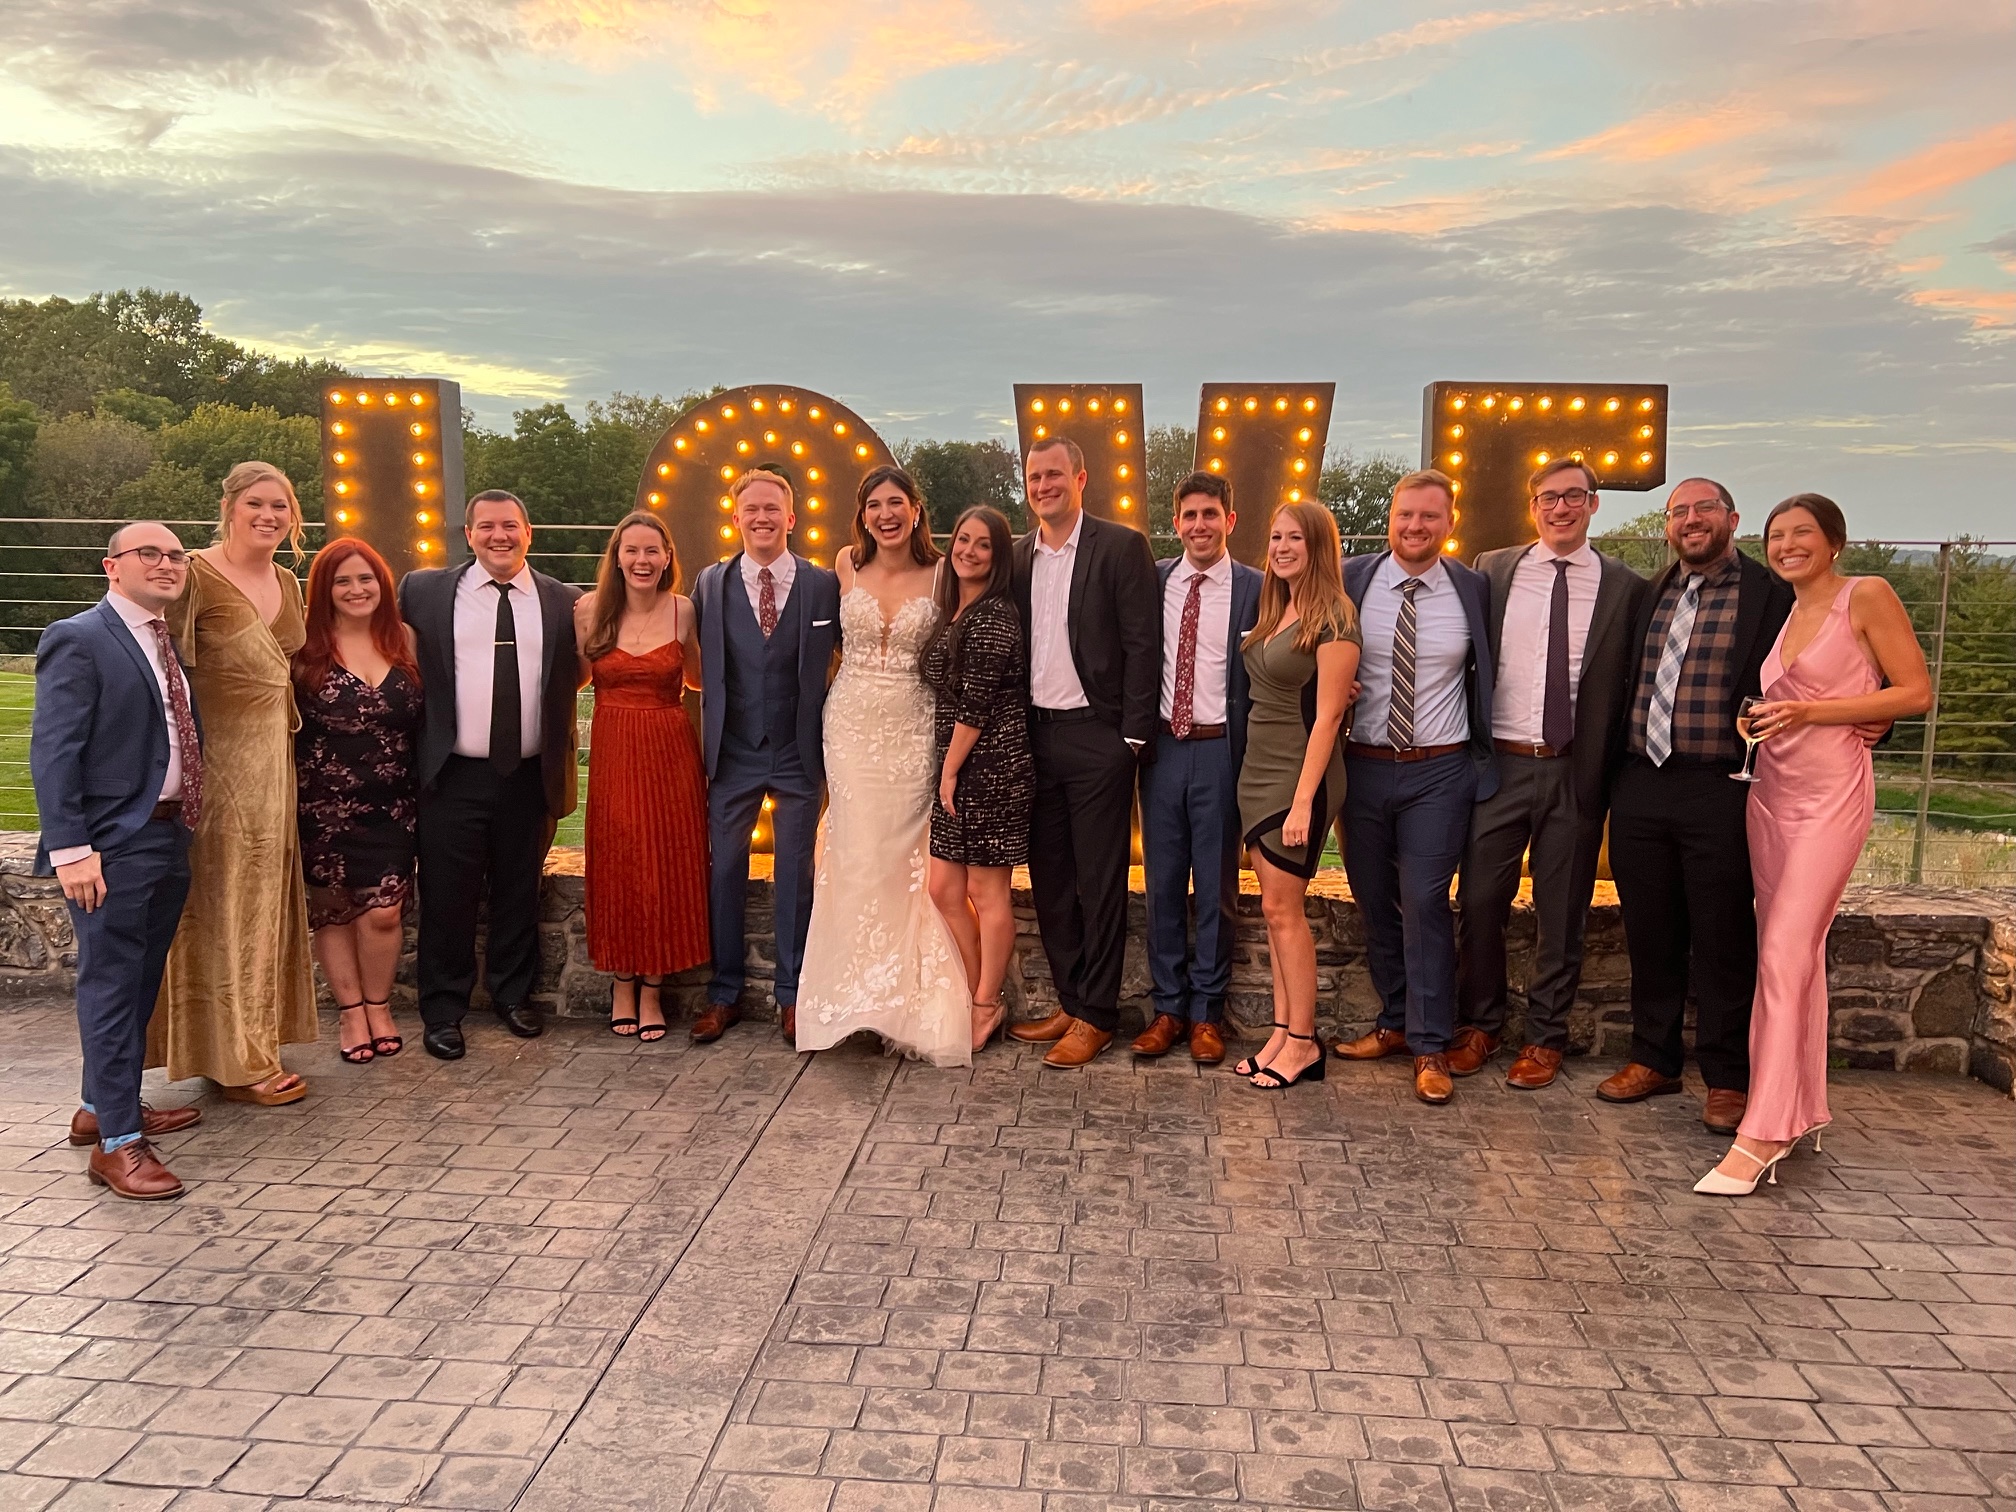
x: 768, y: 624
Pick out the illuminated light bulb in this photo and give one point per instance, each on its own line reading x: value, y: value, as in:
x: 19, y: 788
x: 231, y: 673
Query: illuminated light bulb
x: 1455, y: 433
x: 1613, y: 405
x: 1644, y: 459
x: 1456, y: 403
x: 337, y: 396
x: 338, y: 428
x: 654, y: 498
x: 1455, y: 515
x: 1216, y: 464
x: 758, y: 405
x: 423, y: 517
x: 365, y: 396
x: 1063, y: 406
x: 700, y: 425
x: 812, y: 534
x: 744, y: 447
x: 1545, y: 402
x: 726, y: 502
x: 1578, y: 404
x: 1304, y: 434
x: 391, y: 398
x: 420, y: 488
x: 1541, y: 459
x: 1455, y: 459
x: 1294, y: 496
x: 339, y: 458
x: 727, y: 532
x: 678, y: 443
x: 815, y: 502
x: 1119, y: 438
x: 1222, y: 405
x: 1309, y: 405
x: 812, y: 474
x: 785, y: 405
x: 728, y: 473
x: 1455, y: 488
x: 861, y: 449
x: 416, y: 429
x: 1300, y: 466
x: 815, y: 413
x: 756, y: 834
x: 1280, y: 405
x: 342, y: 487
x: 1577, y: 456
x: 839, y: 427
x: 1644, y: 433
x: 1042, y: 431
x: 1251, y: 404
x: 342, y: 517
x: 1124, y: 470
x: 1036, y: 406
x: 1449, y: 545
x: 664, y: 469
x: 1515, y: 404
x: 424, y: 547
x: 727, y: 412
x: 416, y: 398
x: 1119, y: 406
x: 1489, y: 401
x: 419, y: 459
x: 797, y: 448
x: 1609, y: 459
x: 769, y: 438
x: 1126, y: 501
x: 1092, y: 405
x: 1217, y: 433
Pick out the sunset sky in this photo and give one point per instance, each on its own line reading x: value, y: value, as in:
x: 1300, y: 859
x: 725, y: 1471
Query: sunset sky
x: 1801, y: 216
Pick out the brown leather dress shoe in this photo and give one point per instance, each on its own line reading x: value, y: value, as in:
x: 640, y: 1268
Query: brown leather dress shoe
x: 1160, y: 1035
x: 1207, y: 1043
x: 787, y: 1020
x: 714, y: 1021
x: 154, y: 1122
x: 133, y: 1170
x: 1081, y: 1044
x: 1635, y: 1083
x: 1044, y: 1030
x: 1471, y: 1048
x: 1723, y: 1109
x: 1534, y: 1069
x: 1374, y: 1046
x: 1431, y: 1079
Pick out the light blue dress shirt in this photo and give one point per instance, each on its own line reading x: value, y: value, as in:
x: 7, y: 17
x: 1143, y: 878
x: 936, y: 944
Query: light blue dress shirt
x: 1441, y: 652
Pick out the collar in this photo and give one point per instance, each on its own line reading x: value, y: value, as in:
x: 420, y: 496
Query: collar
x: 133, y: 614
x: 1391, y: 572
x: 1716, y: 575
x: 1219, y: 572
x: 781, y: 571
x: 1071, y: 542
x: 520, y: 581
x: 1582, y: 556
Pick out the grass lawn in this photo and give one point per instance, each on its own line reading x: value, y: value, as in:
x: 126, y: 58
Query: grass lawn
x: 17, y: 708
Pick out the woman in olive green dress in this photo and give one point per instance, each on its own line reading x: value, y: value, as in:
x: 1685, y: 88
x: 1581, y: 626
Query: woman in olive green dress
x: 1301, y: 659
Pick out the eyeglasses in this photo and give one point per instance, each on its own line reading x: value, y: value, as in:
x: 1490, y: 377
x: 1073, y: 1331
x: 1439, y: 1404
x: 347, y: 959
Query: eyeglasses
x: 1705, y: 508
x: 1575, y: 498
x: 152, y: 556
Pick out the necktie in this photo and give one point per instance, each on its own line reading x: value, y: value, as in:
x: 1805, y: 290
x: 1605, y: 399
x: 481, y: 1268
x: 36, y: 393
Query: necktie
x: 766, y: 602
x: 1400, y: 715
x: 1557, y: 713
x: 185, y: 726
x: 507, y: 733
x: 1182, y: 714
x: 1659, y: 720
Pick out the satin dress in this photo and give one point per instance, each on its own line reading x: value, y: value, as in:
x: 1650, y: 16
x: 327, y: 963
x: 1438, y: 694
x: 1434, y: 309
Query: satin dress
x: 1810, y: 811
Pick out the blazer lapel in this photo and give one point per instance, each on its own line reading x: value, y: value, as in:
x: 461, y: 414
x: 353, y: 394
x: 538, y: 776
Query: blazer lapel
x: 122, y: 637
x: 1609, y: 605
x: 1501, y: 573
x: 550, y: 594
x: 1751, y: 584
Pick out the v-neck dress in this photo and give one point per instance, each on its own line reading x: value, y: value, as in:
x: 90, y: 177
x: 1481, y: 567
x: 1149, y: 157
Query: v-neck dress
x: 1283, y: 680
x: 360, y: 797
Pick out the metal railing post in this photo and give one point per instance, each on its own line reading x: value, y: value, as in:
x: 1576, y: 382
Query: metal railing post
x: 1932, y: 715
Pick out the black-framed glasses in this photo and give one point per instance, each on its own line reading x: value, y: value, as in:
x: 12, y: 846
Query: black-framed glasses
x: 1573, y: 497
x: 153, y: 556
x: 1704, y: 508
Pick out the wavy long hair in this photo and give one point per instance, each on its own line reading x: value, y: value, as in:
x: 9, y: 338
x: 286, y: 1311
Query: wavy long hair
x: 1318, y: 595
x: 923, y: 550
x: 610, y: 591
x: 388, y: 632
x: 999, y: 581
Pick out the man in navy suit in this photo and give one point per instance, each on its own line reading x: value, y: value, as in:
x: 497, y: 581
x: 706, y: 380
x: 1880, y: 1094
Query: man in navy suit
x: 1418, y: 759
x: 1190, y: 791
x: 768, y: 622
x: 117, y: 763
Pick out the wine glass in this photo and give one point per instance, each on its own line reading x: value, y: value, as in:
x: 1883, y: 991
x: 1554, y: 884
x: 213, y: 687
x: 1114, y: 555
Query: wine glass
x: 1746, y: 727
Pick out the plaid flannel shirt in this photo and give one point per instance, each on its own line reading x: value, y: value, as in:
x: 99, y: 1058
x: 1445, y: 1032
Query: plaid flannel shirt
x: 1703, y: 728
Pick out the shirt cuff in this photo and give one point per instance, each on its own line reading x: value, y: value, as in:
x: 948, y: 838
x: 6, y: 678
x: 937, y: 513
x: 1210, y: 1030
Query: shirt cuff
x: 68, y: 854
x: 1135, y: 744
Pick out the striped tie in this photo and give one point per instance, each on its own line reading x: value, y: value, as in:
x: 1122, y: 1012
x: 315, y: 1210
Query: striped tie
x: 1659, y: 719
x: 1400, y: 716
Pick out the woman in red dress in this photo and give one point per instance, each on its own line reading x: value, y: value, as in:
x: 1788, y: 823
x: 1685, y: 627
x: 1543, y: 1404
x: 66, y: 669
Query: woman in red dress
x: 646, y: 829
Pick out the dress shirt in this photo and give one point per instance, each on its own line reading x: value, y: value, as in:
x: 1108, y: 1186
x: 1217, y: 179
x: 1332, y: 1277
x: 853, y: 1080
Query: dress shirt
x: 1704, y: 726
x: 782, y: 571
x: 1441, y: 653
x: 1521, y: 696
x: 476, y: 659
x: 141, y: 623
x: 1053, y: 675
x: 1214, y: 634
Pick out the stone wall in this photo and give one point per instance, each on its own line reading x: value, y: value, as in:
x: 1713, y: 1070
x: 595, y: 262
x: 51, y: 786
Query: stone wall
x: 1920, y: 979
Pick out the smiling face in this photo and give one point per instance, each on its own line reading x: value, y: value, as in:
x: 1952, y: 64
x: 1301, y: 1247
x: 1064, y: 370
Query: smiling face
x: 261, y: 516
x: 1287, y: 547
x: 355, y: 591
x: 1418, y: 524
x: 642, y: 558
x: 1561, y: 508
x: 763, y: 515
x: 153, y: 587
x: 973, y: 552
x: 1056, y: 491
x: 1797, y: 548
x: 888, y: 516
x: 499, y: 535
x: 1204, y: 524
x: 1699, y: 526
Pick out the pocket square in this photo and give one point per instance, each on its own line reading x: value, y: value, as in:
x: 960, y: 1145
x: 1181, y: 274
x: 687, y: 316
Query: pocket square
x: 817, y: 623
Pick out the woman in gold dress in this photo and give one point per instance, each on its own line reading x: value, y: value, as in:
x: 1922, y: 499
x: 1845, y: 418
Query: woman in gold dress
x: 239, y: 984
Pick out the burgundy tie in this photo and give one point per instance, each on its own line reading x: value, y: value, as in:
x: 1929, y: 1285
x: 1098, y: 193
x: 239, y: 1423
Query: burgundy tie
x: 1182, y: 716
x: 185, y: 725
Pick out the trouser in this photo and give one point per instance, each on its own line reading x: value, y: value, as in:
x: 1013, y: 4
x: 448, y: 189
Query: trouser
x: 1190, y: 851
x: 1534, y: 808
x: 1078, y: 844
x: 1681, y: 857
x: 743, y: 778
x: 476, y: 827
x: 122, y: 950
x: 1404, y: 826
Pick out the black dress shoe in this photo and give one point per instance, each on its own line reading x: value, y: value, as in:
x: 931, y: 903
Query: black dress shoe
x: 443, y: 1041
x: 525, y: 1021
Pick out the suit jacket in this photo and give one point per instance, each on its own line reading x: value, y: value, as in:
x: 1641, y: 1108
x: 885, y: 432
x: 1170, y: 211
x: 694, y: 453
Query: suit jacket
x: 1763, y: 602
x: 427, y: 603
x: 1245, y: 614
x: 1114, y: 622
x: 1609, y: 664
x: 1474, y: 592
x: 98, y: 750
x: 818, y: 638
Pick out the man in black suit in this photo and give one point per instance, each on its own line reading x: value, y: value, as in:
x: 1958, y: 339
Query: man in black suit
x: 497, y: 766
x: 1091, y: 608
x: 1560, y: 625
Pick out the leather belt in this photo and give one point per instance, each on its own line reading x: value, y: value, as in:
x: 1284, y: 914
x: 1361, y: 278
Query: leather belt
x: 1402, y: 753
x: 1061, y: 716
x: 1537, y: 749
x: 1197, y: 732
x: 167, y: 808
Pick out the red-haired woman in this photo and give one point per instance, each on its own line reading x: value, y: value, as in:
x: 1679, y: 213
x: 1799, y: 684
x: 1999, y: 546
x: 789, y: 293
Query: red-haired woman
x: 358, y: 688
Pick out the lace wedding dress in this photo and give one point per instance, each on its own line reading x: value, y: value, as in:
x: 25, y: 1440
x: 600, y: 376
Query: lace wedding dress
x: 877, y: 954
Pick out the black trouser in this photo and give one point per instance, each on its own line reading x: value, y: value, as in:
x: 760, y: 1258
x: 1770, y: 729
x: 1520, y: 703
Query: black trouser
x: 1078, y: 851
x: 1681, y: 858
x: 476, y: 826
x: 1534, y: 809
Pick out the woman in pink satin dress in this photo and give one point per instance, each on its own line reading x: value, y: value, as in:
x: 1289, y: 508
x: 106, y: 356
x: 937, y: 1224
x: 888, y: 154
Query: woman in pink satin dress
x: 1809, y: 814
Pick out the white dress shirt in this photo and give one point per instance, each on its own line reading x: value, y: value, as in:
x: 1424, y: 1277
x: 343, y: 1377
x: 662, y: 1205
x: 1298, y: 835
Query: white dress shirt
x: 141, y: 623
x: 476, y: 659
x: 1520, y: 699
x: 1214, y: 634
x: 1053, y: 676
x: 1441, y: 652
x: 782, y: 571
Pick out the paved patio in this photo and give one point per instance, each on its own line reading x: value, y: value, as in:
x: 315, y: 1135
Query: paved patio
x: 582, y: 1273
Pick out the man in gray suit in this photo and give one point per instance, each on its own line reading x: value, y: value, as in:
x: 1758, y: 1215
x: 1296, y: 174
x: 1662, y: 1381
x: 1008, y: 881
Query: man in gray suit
x: 1561, y: 637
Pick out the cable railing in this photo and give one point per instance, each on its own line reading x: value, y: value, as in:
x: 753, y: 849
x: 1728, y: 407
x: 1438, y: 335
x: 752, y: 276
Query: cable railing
x: 1945, y: 782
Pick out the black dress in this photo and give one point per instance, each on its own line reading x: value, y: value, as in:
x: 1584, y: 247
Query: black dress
x: 980, y: 673
x: 358, y: 797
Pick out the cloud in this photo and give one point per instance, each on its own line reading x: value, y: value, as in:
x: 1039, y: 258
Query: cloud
x: 1932, y: 172
x: 1992, y: 309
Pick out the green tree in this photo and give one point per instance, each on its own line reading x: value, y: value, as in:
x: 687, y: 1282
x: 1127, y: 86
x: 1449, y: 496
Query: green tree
x: 217, y: 437
x: 956, y: 475
x: 81, y: 460
x: 167, y: 491
x: 1639, y: 542
x: 148, y: 411
x: 19, y: 422
x: 1172, y: 456
x: 1358, y: 490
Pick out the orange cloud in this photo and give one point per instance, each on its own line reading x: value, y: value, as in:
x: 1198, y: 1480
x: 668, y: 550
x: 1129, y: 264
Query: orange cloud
x: 1992, y: 309
x: 1673, y: 132
x: 1943, y: 166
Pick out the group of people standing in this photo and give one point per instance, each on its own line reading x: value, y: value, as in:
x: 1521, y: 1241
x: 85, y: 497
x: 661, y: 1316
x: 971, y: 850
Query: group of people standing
x: 226, y: 770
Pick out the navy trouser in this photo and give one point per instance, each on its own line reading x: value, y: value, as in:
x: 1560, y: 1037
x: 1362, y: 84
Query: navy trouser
x: 1190, y: 838
x: 743, y: 778
x: 122, y: 950
x: 1405, y: 823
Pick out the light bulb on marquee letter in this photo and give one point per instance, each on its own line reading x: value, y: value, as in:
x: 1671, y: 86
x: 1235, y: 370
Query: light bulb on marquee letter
x: 1266, y: 440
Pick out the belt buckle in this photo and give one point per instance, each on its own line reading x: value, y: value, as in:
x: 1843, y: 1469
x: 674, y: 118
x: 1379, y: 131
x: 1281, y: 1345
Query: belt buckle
x: 1538, y: 750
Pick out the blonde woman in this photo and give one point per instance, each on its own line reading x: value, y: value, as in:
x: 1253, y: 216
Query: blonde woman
x: 1301, y: 658
x: 239, y: 984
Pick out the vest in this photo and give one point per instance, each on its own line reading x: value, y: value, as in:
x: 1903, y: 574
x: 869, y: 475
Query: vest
x: 762, y: 674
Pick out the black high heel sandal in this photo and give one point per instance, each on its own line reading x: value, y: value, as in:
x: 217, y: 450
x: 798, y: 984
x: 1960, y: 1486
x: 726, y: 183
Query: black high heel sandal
x: 1251, y: 1066
x: 650, y: 1034
x: 623, y: 1028
x: 359, y: 1054
x: 1311, y: 1072
x: 384, y: 1045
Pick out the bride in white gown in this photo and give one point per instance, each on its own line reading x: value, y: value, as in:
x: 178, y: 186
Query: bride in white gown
x: 878, y: 955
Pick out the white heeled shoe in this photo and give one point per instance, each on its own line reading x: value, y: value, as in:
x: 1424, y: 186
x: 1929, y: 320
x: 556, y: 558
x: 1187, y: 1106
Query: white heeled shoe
x: 1715, y: 1184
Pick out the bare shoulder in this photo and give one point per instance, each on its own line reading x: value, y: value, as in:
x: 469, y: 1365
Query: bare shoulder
x: 1873, y: 595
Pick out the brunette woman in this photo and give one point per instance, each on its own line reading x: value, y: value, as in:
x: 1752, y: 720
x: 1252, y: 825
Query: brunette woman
x: 646, y: 830
x: 1301, y: 657
x: 979, y: 669
x: 358, y: 688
